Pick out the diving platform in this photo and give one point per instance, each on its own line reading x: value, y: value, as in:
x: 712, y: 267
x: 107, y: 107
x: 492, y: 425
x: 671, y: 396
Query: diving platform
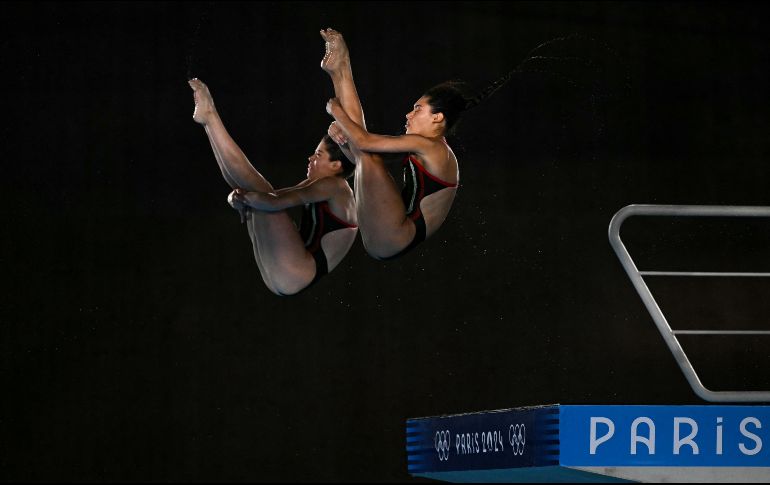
x: 594, y: 443
x: 724, y: 442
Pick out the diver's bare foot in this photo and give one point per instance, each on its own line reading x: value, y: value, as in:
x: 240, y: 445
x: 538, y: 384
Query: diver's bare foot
x: 204, y: 103
x: 337, y: 54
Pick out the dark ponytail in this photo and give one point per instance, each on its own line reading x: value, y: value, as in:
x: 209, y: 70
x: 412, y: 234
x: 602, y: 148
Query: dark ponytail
x: 451, y: 99
x: 489, y: 90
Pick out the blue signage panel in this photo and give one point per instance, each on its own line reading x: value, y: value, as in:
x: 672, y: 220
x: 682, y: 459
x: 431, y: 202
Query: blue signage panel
x: 511, y: 438
x: 705, y: 436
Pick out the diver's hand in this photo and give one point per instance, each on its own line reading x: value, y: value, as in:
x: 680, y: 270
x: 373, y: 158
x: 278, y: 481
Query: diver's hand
x: 333, y: 104
x: 336, y: 134
x: 237, y: 200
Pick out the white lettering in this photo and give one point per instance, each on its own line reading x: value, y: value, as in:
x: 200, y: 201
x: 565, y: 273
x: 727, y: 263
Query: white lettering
x: 719, y: 435
x: 649, y: 441
x: 475, y: 443
x: 751, y: 436
x: 678, y: 443
x: 596, y: 442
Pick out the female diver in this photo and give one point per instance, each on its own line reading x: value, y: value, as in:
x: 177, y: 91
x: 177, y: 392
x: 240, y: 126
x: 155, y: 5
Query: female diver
x: 288, y: 260
x: 392, y: 223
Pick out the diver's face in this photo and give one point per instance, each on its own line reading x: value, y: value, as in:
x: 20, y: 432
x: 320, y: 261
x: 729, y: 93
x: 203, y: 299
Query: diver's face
x: 320, y: 164
x: 419, y: 120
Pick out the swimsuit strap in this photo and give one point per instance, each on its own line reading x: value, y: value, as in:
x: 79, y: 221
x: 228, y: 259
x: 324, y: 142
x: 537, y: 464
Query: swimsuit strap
x: 325, y: 207
x: 430, y: 175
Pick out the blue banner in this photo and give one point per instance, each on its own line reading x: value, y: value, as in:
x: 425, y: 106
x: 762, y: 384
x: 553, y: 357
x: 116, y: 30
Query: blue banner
x: 706, y: 436
x: 512, y: 438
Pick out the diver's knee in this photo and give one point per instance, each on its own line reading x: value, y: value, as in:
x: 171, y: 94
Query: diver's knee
x: 288, y: 286
x: 379, y: 251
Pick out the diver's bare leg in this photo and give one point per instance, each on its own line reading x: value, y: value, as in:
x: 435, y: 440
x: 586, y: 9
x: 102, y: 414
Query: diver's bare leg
x: 236, y: 169
x: 284, y: 263
x: 336, y: 63
x: 385, y: 229
x: 286, y: 267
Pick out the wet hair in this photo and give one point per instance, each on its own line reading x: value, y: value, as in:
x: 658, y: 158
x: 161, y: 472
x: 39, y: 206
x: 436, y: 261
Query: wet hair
x: 335, y: 153
x: 451, y: 99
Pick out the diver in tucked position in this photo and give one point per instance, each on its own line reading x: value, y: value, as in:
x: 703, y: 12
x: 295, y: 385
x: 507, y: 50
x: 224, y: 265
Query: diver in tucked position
x: 289, y: 260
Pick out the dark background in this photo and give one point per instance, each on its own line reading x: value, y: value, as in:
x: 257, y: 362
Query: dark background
x: 138, y: 341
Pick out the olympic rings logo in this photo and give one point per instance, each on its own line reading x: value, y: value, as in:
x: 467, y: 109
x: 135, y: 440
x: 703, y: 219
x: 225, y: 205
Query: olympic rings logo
x: 443, y: 441
x: 517, y: 437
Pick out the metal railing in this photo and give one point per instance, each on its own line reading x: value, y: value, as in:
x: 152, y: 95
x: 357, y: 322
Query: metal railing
x: 669, y: 335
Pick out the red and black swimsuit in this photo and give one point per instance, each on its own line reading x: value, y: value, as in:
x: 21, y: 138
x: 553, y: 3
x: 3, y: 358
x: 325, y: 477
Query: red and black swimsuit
x: 418, y: 184
x: 317, y: 221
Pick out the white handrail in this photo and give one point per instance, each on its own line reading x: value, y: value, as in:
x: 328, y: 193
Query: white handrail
x: 668, y: 334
